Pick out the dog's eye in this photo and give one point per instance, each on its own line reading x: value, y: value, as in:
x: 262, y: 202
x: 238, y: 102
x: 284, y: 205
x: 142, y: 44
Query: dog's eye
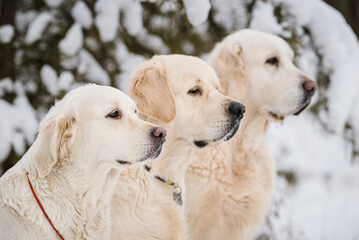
x: 135, y: 111
x: 272, y: 61
x: 195, y: 91
x: 116, y: 114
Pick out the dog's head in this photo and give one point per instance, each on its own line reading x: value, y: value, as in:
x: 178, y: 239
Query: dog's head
x: 258, y: 68
x: 94, y: 126
x: 182, y: 93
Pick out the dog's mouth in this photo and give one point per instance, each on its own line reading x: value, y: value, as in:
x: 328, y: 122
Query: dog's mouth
x: 297, y: 112
x: 305, y: 105
x: 123, y: 162
x: 150, y: 156
x: 232, y: 132
x: 225, y: 136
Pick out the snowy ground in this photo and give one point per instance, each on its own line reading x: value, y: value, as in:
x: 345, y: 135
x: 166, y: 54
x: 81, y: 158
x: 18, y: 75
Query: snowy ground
x: 324, y: 202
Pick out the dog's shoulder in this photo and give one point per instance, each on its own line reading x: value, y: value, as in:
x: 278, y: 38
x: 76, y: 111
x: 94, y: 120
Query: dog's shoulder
x: 14, y: 192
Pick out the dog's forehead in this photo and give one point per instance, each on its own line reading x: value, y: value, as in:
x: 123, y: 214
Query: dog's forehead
x: 94, y: 98
x: 266, y: 44
x: 185, y: 71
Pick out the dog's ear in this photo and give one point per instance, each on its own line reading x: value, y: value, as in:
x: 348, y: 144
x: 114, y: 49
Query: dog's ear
x: 237, y: 50
x: 150, y: 89
x: 228, y: 62
x: 54, y: 139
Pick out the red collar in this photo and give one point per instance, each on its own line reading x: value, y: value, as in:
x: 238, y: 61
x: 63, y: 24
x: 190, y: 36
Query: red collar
x: 42, y: 209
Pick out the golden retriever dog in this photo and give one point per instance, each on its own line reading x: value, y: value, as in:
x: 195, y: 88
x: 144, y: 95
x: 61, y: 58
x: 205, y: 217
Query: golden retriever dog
x: 229, y: 186
x: 179, y: 93
x: 73, y: 167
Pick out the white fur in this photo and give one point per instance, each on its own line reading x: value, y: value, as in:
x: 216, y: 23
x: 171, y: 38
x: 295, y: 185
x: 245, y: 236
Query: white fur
x: 73, y: 167
x: 229, y: 185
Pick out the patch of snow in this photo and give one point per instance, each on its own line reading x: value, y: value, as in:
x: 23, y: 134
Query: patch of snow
x: 320, y: 158
x: 160, y: 22
x: 73, y: 40
x: 6, y: 33
x: 31, y: 87
x: 23, y: 19
x: 82, y: 14
x: 70, y: 62
x: 326, y: 179
x: 91, y: 43
x: 37, y: 27
x: 202, y: 29
x: 49, y: 78
x: 168, y: 6
x: 128, y: 62
x: 308, y: 61
x: 53, y: 83
x: 107, y: 18
x: 19, y: 88
x: 18, y: 127
x: 229, y: 14
x: 65, y: 80
x: 54, y: 3
x: 153, y: 42
x: 197, y: 11
x: 263, y: 18
x: 188, y: 47
x: 132, y: 11
x: 18, y: 143
x: 6, y: 85
x: 92, y: 69
x: 339, y: 46
x: 342, y: 92
x: 320, y: 208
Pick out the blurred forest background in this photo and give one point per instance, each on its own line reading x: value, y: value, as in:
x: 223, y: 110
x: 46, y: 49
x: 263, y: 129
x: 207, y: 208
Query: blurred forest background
x: 48, y: 47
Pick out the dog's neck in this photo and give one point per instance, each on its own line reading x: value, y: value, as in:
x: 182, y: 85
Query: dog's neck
x: 255, y: 123
x: 253, y: 129
x: 84, y: 197
x: 173, y: 161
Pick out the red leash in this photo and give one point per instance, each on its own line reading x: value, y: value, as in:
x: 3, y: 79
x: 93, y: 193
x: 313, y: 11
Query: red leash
x: 42, y: 209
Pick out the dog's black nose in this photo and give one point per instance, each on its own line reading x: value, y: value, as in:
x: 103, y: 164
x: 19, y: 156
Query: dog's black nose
x: 158, y: 133
x: 236, y: 109
x: 309, y: 86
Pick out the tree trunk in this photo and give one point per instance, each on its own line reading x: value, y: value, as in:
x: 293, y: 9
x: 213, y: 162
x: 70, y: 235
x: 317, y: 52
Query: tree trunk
x: 350, y: 10
x: 7, y: 50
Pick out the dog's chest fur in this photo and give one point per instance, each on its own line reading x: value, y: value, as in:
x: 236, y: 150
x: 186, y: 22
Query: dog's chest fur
x: 143, y: 208
x: 236, y: 190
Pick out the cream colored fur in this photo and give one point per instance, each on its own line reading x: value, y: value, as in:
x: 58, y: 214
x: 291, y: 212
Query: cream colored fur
x: 143, y: 207
x: 229, y: 186
x: 73, y: 167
